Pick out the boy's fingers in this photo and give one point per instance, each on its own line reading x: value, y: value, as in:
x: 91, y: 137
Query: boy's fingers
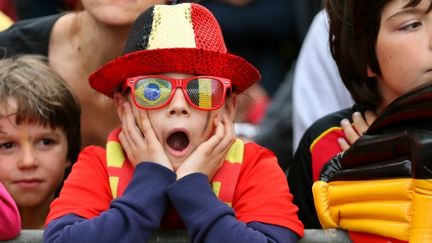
x: 229, y: 136
x: 125, y: 126
x: 370, y: 117
x: 146, y: 126
x: 343, y: 144
x: 226, y: 132
x: 350, y: 134
x: 360, y: 124
x: 131, y: 127
x: 124, y: 142
x: 224, y: 138
x: 149, y: 131
x: 229, y: 126
x: 211, y: 144
x: 219, y: 128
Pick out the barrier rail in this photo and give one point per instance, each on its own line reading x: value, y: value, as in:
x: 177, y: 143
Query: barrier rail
x: 180, y: 236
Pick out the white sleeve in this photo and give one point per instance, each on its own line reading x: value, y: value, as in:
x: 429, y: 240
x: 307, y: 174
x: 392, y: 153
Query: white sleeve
x: 317, y: 88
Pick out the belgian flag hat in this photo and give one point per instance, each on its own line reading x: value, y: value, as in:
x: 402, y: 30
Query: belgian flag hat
x: 182, y: 38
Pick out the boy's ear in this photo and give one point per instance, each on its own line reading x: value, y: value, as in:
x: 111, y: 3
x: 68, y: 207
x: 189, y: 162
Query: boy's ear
x: 370, y: 73
x: 231, y: 106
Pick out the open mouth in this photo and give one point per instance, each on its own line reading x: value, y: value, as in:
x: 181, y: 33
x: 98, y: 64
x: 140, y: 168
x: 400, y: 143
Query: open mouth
x: 178, y: 141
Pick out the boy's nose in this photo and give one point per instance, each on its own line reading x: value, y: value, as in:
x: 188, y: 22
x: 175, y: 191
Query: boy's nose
x: 27, y: 160
x: 179, y: 104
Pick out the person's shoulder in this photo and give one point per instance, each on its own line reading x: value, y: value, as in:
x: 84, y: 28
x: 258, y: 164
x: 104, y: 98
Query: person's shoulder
x: 254, y: 148
x: 28, y: 36
x: 93, y: 151
x: 91, y: 158
x: 38, y: 21
x: 331, y: 120
x: 327, y: 123
x: 94, y: 148
x: 255, y: 154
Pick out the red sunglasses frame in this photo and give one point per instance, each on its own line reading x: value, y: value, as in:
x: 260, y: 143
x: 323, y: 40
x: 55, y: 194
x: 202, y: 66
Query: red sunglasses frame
x: 176, y: 83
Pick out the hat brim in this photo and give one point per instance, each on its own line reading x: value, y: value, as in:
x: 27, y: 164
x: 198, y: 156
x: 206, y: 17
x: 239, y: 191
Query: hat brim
x: 174, y: 60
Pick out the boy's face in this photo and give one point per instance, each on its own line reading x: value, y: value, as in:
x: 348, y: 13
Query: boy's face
x: 403, y: 48
x: 32, y: 161
x: 181, y: 128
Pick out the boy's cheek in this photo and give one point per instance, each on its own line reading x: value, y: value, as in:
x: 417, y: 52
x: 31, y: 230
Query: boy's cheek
x: 212, y: 131
x: 211, y: 124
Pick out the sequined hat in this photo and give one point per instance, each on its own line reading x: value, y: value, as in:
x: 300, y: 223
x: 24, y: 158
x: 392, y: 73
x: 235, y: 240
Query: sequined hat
x: 182, y: 38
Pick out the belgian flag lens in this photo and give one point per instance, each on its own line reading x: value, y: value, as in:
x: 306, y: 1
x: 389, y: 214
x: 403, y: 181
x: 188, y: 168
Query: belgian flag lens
x: 205, y: 93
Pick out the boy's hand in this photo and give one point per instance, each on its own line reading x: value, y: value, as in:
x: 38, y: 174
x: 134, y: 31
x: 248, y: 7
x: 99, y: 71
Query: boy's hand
x: 209, y: 156
x: 358, y: 128
x: 140, y: 143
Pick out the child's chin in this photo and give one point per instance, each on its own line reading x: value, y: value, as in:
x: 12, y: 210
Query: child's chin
x: 175, y: 163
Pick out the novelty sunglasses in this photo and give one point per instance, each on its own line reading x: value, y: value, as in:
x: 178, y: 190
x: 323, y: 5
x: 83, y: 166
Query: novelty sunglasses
x: 156, y: 91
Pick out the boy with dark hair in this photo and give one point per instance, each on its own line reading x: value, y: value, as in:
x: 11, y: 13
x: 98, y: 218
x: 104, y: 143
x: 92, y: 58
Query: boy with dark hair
x: 382, y: 50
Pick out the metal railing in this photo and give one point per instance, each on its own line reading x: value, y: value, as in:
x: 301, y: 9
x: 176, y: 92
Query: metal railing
x: 180, y: 236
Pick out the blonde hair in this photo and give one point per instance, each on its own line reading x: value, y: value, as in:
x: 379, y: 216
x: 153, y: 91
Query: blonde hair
x: 42, y: 97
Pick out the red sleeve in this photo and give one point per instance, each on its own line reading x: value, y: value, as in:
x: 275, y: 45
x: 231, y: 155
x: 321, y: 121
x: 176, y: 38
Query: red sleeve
x: 86, y: 191
x: 323, y: 148
x: 262, y: 193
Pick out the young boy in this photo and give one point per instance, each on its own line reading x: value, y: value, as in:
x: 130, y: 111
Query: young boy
x: 382, y: 50
x: 39, y: 135
x: 175, y: 89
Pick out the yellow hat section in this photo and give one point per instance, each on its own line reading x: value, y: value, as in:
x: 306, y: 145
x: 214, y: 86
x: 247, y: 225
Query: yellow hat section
x: 5, y: 21
x: 396, y: 208
x: 175, y: 31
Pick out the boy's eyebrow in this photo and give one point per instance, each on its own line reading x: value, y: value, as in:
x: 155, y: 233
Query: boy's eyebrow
x: 50, y: 134
x: 404, y: 11
x: 56, y: 133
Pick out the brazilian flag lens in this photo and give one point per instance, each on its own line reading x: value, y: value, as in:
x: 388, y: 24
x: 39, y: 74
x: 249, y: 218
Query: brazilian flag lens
x: 205, y: 93
x: 152, y: 92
